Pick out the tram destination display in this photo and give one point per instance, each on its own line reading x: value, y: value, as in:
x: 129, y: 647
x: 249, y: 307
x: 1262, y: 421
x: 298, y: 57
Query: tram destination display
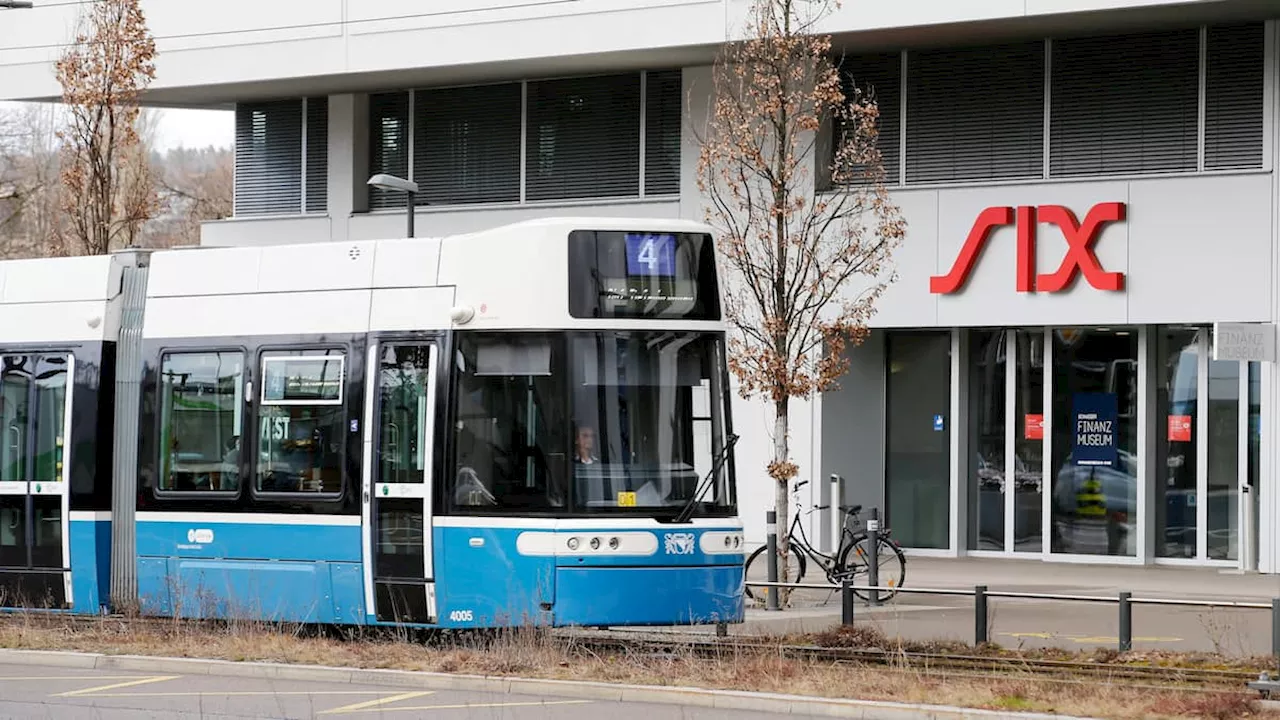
x: 642, y: 275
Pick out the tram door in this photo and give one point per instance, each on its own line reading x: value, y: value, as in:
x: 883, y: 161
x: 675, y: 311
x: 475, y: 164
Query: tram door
x: 399, y: 573
x: 35, y: 418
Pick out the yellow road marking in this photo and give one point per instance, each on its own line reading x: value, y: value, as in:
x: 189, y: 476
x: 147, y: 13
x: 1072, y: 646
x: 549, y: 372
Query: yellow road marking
x: 116, y: 686
x: 475, y: 706
x: 242, y: 693
x: 35, y: 678
x: 357, y: 707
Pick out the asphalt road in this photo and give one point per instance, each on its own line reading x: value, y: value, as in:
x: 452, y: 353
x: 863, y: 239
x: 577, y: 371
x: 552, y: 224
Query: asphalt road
x: 29, y: 691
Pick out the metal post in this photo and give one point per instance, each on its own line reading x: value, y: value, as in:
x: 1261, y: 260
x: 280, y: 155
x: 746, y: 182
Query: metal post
x: 1126, y: 622
x: 846, y: 602
x: 837, y: 515
x: 873, y: 562
x: 1275, y: 628
x: 411, y: 212
x: 771, y: 545
x: 979, y: 615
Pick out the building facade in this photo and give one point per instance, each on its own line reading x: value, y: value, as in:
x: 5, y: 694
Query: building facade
x: 1090, y: 190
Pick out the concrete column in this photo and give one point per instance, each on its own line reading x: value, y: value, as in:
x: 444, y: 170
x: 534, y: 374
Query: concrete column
x: 348, y: 161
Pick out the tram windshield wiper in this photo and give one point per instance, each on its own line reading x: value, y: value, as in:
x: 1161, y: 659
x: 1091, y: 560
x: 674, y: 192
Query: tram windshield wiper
x: 720, y: 459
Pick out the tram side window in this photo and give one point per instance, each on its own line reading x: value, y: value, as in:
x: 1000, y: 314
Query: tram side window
x: 300, y: 422
x: 512, y: 423
x: 201, y: 420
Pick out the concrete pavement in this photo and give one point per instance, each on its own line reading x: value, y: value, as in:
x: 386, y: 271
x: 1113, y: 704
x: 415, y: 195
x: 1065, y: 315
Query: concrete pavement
x: 33, y: 691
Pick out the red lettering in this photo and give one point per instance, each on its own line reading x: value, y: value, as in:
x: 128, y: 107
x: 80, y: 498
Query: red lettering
x: 1080, y: 240
x: 990, y: 219
x: 1080, y: 258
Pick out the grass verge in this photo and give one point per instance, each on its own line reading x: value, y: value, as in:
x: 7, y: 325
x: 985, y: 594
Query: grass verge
x: 530, y: 653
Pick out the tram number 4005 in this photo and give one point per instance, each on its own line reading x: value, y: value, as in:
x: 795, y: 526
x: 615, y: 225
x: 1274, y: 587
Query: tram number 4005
x: 461, y: 616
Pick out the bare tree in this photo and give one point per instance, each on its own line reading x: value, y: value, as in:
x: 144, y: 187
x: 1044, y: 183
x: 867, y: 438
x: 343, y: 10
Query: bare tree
x: 104, y: 168
x: 30, y: 194
x: 197, y: 185
x: 806, y: 268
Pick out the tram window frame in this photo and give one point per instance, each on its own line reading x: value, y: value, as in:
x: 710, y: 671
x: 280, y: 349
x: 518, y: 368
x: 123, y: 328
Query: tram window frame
x: 246, y: 414
x: 559, y: 441
x: 341, y: 405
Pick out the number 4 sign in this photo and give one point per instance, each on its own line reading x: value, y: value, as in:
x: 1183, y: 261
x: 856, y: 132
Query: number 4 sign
x: 651, y: 255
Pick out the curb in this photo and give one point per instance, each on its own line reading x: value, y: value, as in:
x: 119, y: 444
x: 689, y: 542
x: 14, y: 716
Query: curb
x: 581, y: 690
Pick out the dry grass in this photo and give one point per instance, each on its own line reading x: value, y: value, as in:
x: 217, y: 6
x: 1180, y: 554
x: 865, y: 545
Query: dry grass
x: 530, y: 653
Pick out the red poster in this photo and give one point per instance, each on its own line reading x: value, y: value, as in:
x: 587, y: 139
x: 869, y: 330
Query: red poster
x: 1179, y: 428
x: 1034, y: 427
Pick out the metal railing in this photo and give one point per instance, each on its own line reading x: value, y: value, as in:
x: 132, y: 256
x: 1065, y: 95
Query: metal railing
x: 981, y: 594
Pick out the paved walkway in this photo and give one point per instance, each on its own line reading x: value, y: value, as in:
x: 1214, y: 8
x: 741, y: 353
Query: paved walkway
x: 33, y: 691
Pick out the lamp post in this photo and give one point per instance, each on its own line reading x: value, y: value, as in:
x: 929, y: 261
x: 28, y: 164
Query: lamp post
x: 391, y: 182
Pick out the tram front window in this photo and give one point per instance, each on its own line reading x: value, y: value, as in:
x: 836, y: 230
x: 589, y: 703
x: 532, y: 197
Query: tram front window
x: 648, y: 415
x: 603, y: 422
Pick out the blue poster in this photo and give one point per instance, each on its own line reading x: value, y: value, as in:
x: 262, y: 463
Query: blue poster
x: 651, y: 255
x: 1094, y: 429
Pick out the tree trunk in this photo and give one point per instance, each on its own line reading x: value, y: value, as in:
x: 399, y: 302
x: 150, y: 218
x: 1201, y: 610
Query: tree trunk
x: 781, y: 502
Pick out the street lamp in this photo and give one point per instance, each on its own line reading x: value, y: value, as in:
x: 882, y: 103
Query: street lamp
x: 391, y: 182
x: 15, y: 4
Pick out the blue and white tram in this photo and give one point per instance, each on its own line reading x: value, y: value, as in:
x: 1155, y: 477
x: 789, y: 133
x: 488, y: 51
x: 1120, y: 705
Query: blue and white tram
x: 526, y: 425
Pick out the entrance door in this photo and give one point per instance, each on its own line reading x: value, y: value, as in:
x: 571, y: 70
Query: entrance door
x: 399, y: 572
x: 35, y: 417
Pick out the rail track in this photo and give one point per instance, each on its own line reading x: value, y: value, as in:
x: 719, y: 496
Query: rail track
x: 675, y: 645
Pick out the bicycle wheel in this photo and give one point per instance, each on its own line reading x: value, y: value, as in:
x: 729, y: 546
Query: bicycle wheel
x: 759, y: 571
x: 893, y: 566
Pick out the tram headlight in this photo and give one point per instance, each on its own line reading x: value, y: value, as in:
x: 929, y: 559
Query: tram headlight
x: 728, y: 541
x: 595, y: 543
x: 573, y: 543
x: 613, y: 543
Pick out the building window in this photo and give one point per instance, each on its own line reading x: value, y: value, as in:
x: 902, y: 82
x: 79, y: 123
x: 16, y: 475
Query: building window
x: 466, y: 144
x: 282, y: 157
x: 563, y: 139
x: 1177, y: 101
x: 201, y: 414
x: 879, y: 78
x: 1125, y: 104
x: 389, y: 144
x: 975, y: 114
x: 1233, y: 97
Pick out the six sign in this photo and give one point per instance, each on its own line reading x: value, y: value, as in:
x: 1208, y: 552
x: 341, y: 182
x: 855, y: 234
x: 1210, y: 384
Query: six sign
x: 1080, y: 259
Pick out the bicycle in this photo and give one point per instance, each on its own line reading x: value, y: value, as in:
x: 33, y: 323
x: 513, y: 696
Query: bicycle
x: 839, y: 566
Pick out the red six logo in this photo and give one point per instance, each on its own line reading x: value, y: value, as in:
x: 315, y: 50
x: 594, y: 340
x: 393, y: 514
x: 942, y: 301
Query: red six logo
x: 1080, y: 259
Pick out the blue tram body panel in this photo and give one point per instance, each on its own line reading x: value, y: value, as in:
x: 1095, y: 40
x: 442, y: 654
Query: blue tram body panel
x: 652, y: 576
x: 274, y: 572
x: 90, y: 542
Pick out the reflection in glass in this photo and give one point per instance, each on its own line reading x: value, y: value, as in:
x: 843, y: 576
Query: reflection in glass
x: 201, y: 406
x: 301, y: 430
x: 512, y: 422
x: 1177, y: 378
x: 645, y: 426
x: 1224, y: 460
x: 51, y: 416
x: 918, y: 430
x: 399, y: 552
x: 1028, y: 447
x: 987, y: 485
x: 403, y: 377
x: 1095, y: 505
x: 15, y: 401
x: 635, y: 419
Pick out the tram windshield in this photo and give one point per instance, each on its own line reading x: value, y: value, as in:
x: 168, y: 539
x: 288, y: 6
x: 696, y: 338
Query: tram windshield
x: 598, y: 422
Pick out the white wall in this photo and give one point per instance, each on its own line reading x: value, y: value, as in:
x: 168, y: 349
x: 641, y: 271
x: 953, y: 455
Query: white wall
x: 1193, y: 249
x: 241, y: 42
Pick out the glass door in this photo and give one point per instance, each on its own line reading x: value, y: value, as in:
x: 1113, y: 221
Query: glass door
x: 35, y: 414
x: 398, y: 487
